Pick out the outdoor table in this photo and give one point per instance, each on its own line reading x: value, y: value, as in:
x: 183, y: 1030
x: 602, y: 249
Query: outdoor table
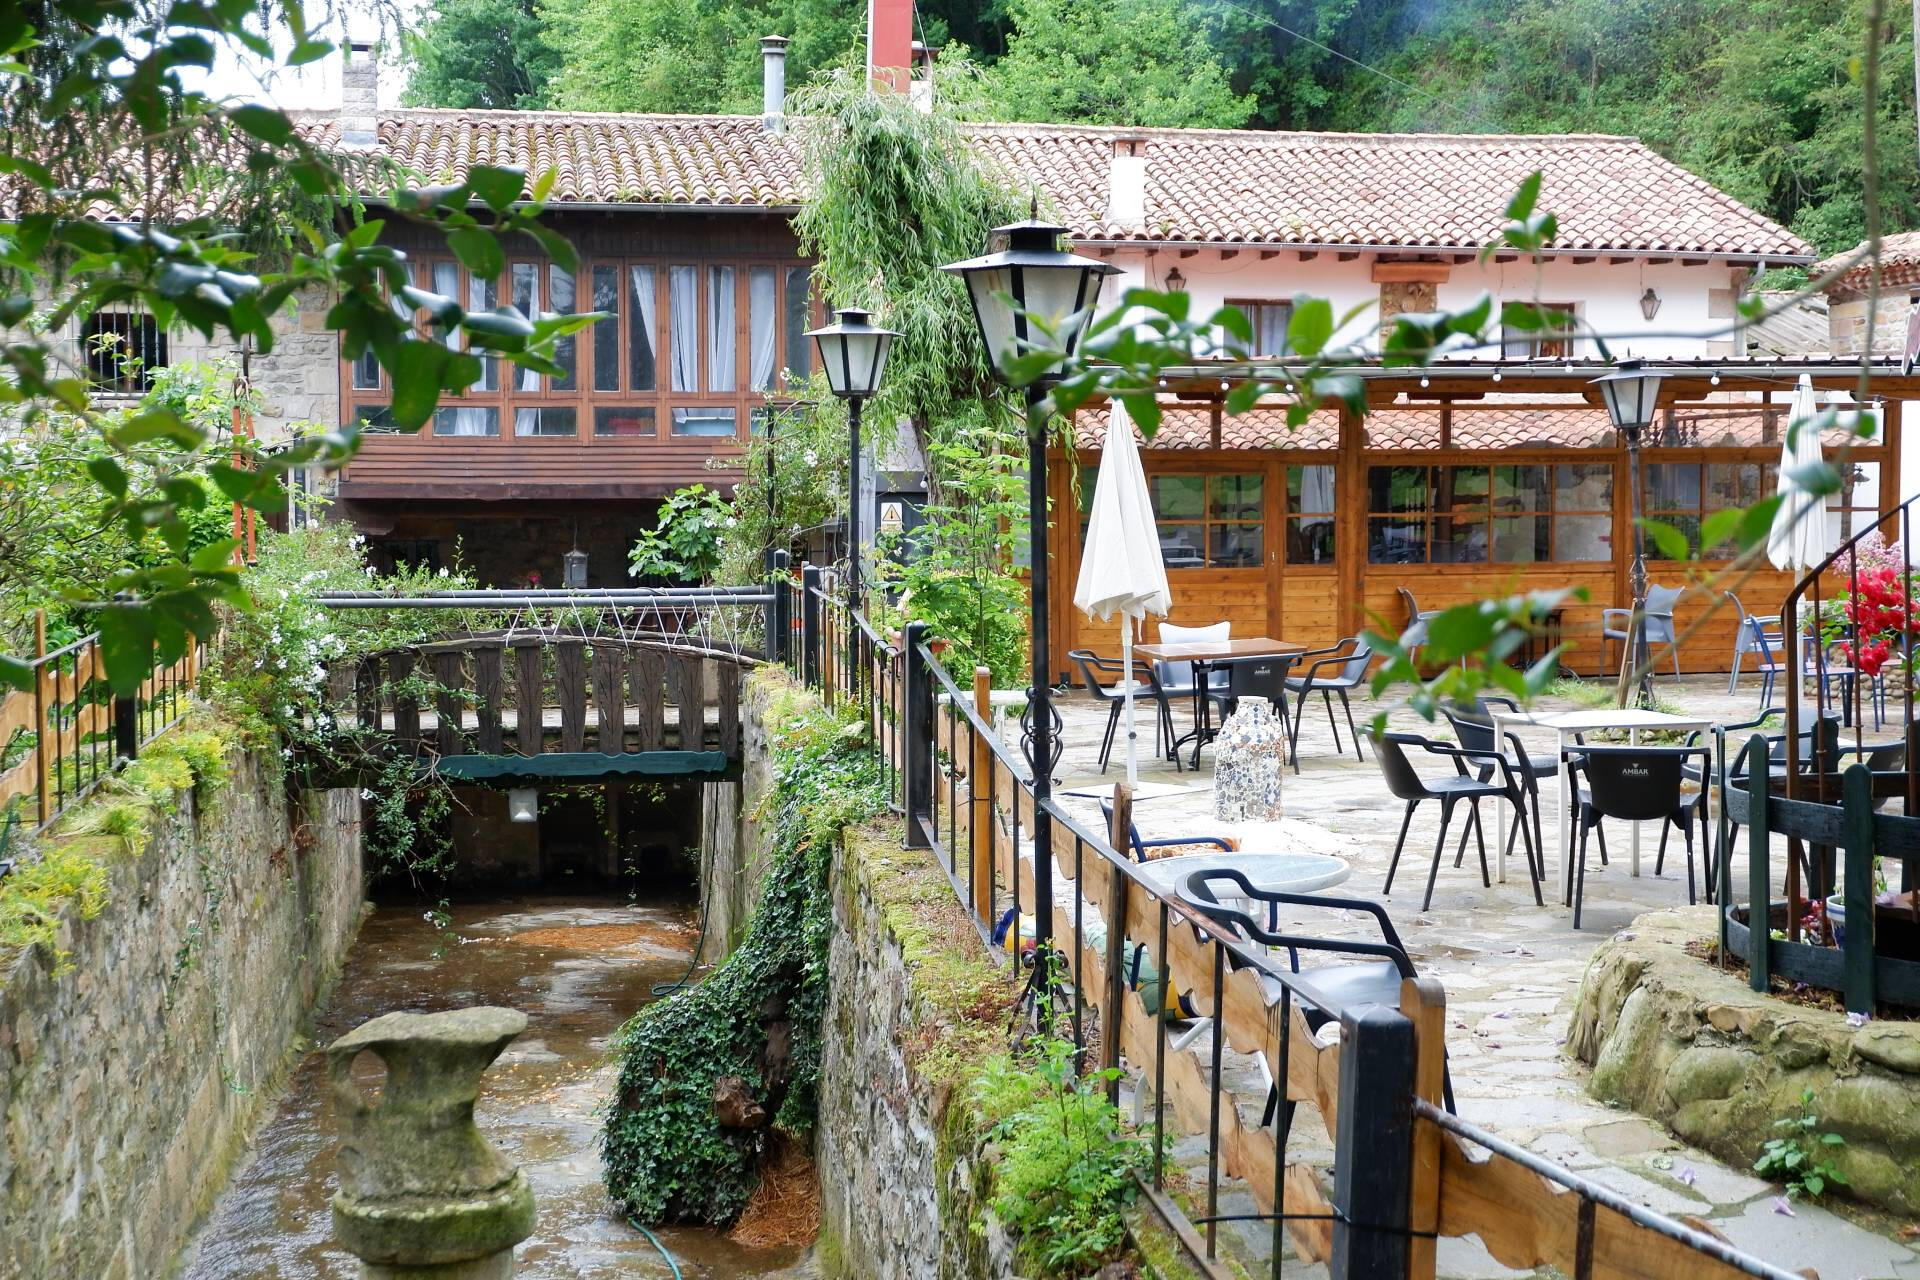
x: 1203, y: 655
x: 1566, y: 725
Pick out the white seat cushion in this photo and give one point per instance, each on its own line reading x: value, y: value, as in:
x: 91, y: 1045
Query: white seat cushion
x: 1170, y: 634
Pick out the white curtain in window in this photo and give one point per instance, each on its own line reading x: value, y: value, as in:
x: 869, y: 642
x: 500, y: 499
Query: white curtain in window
x: 1316, y: 490
x: 683, y: 315
x: 480, y: 298
x: 526, y: 290
x: 466, y: 422
x: 641, y: 329
x: 720, y: 328
x: 762, y: 326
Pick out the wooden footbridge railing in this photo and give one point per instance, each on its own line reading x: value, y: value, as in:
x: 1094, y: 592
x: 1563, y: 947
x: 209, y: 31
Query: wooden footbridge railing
x: 601, y: 684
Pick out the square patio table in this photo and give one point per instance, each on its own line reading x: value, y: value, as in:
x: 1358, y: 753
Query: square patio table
x: 1203, y: 654
x: 1565, y: 725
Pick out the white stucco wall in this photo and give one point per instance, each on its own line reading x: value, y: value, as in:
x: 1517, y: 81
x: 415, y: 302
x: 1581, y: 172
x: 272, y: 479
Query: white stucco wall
x: 1607, y: 296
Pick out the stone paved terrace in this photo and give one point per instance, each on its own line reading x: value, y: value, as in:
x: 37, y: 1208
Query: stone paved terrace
x: 1511, y: 970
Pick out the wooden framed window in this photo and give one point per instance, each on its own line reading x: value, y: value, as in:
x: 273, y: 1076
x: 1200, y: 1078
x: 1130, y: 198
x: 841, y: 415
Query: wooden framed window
x: 1310, y: 514
x: 1532, y: 513
x: 1528, y: 345
x: 1683, y: 494
x: 1212, y: 521
x: 1269, y: 319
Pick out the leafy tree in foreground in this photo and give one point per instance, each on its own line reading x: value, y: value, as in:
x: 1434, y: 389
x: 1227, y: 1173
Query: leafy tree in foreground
x: 488, y: 54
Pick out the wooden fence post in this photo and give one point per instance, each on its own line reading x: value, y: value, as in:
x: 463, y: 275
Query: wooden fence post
x: 1856, y: 827
x: 1373, y: 1179
x: 1759, y: 858
x: 1113, y: 912
x: 980, y: 789
x: 1424, y: 1000
x: 43, y: 746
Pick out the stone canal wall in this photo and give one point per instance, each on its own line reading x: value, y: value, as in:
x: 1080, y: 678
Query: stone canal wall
x: 735, y: 847
x: 133, y: 1066
x: 1717, y: 1062
x: 915, y: 1006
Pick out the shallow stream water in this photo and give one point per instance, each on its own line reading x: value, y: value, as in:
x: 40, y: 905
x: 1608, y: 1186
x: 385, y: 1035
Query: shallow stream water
x: 577, y: 968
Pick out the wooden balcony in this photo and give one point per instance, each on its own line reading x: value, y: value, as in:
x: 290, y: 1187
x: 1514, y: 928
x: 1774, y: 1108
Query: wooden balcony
x: 424, y: 467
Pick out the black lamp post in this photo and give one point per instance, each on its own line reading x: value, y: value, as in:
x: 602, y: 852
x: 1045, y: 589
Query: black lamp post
x: 853, y: 355
x: 1630, y: 392
x: 1034, y: 279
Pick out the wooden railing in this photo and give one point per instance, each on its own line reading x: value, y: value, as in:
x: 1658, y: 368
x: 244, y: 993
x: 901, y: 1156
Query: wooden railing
x: 63, y: 737
x: 1405, y: 1171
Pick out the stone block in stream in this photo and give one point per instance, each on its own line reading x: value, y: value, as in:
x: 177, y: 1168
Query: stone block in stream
x: 422, y: 1192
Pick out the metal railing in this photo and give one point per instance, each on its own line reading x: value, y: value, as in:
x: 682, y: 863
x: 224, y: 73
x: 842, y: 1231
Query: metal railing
x: 1139, y: 973
x: 67, y: 733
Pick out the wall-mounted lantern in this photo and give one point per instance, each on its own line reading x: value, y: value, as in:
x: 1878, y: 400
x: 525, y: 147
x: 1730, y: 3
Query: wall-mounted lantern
x: 1649, y: 303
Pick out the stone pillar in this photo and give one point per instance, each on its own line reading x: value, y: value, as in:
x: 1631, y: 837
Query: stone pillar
x: 423, y: 1195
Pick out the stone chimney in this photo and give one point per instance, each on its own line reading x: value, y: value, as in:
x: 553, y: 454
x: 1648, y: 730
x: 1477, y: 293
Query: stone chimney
x: 1127, y: 184
x: 773, y: 83
x: 359, y: 96
x: 890, y: 44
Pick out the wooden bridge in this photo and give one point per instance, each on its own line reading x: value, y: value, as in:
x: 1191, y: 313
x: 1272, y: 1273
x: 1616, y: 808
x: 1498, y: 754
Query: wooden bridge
x: 603, y: 688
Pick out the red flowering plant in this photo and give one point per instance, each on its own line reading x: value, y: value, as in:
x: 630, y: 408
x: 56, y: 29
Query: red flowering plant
x: 1879, y: 610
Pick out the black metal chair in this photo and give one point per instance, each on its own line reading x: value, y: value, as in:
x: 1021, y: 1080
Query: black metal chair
x: 1346, y: 666
x: 1138, y: 847
x: 1263, y: 677
x: 1474, y: 729
x: 1106, y: 682
x: 1637, y: 784
x: 1406, y: 783
x: 1376, y: 979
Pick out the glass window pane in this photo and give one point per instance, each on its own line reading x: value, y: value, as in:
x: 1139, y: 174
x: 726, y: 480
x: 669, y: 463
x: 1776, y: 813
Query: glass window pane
x: 1396, y: 540
x: 1673, y: 486
x: 1519, y: 539
x: 799, y: 320
x: 1459, y: 540
x: 1089, y: 480
x: 1310, y: 490
x: 1178, y: 497
x: 1183, y: 546
x: 1736, y: 484
x: 481, y: 297
x: 1583, y: 486
x: 466, y: 420
x: 1236, y: 497
x: 606, y: 333
x: 544, y: 422
x: 1310, y: 540
x: 624, y: 421
x: 1582, y: 538
x: 1459, y: 488
x: 640, y: 329
x: 1236, y: 546
x: 372, y: 417
x: 720, y: 343
x: 763, y: 329
x: 704, y: 422
x: 1270, y: 327
x: 446, y: 283
x: 683, y: 318
x: 1855, y: 508
x: 1396, y: 489
x: 524, y: 279
x: 366, y: 371
x: 1520, y: 489
x: 560, y: 300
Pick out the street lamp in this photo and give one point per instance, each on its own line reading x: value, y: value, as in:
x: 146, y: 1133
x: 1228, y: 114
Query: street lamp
x: 1033, y: 279
x: 1630, y: 392
x: 853, y: 355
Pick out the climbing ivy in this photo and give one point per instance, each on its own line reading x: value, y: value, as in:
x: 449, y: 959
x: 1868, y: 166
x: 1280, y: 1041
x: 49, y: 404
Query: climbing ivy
x: 667, y: 1157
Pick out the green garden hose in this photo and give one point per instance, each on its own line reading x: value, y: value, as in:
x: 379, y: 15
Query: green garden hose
x: 655, y: 1242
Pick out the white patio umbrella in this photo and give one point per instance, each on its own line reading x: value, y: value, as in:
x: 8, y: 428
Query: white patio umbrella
x: 1120, y: 567
x: 1798, y: 539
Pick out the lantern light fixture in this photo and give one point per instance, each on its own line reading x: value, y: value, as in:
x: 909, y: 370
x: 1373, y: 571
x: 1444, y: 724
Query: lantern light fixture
x: 853, y: 352
x: 1649, y: 303
x: 1032, y: 279
x: 1630, y: 392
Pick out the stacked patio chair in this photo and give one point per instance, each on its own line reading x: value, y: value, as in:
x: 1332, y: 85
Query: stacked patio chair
x: 1616, y: 624
x: 1753, y: 635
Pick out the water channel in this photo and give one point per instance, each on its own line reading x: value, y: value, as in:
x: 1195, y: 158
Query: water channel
x: 577, y: 967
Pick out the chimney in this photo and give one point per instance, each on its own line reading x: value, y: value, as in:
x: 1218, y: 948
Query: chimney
x: 1127, y: 184
x: 773, y: 83
x: 359, y: 96
x: 922, y: 91
x: 890, y: 44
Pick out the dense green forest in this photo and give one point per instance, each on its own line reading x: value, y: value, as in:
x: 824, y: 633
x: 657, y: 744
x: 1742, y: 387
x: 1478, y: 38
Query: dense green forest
x: 1761, y: 97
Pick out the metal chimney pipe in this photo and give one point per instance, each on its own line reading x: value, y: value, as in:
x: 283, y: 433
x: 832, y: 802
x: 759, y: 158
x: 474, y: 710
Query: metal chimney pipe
x: 773, y: 91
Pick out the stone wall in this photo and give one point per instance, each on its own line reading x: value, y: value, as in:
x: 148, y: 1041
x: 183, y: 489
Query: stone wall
x: 1680, y: 1042
x: 133, y: 1078
x: 735, y: 845
x: 901, y: 1177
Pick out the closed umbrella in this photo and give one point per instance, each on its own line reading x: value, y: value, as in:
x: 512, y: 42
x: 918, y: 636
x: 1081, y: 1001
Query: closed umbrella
x: 1120, y: 567
x: 1798, y: 539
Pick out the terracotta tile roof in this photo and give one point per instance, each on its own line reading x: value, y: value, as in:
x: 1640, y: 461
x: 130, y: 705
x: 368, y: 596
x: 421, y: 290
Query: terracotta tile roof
x: 1186, y: 426
x: 1432, y: 191
x: 1899, y: 265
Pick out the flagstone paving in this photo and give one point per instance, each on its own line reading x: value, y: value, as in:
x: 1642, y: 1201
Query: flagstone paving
x: 1510, y: 969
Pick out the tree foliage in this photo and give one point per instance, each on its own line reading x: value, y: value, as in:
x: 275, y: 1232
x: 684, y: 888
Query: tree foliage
x: 488, y: 54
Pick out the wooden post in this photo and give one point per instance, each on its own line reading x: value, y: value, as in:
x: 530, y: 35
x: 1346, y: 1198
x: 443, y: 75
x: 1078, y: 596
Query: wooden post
x: 529, y: 734
x: 406, y: 707
x: 366, y: 691
x: 729, y: 692
x: 1424, y: 1000
x: 1113, y: 913
x: 649, y: 697
x: 980, y: 789
x: 609, y: 707
x: 1759, y: 856
x: 570, y: 685
x: 489, y: 692
x: 1856, y: 826
x: 446, y: 702
x: 42, y: 740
